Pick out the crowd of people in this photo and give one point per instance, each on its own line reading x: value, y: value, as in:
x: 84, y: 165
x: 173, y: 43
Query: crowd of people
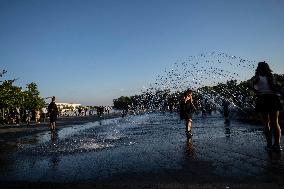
x: 20, y: 116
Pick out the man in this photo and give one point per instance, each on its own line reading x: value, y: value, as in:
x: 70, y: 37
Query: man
x: 52, y: 111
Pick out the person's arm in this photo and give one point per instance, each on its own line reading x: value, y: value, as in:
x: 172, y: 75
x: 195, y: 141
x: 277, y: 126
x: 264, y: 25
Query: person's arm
x: 251, y: 82
x: 194, y: 108
x: 277, y: 85
x: 48, y: 110
x: 56, y: 109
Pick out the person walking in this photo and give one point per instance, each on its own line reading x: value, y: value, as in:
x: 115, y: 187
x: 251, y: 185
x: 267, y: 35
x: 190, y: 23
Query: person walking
x: 43, y: 114
x: 37, y: 116
x: 187, y: 108
x: 28, y: 117
x: 267, y: 104
x: 52, y: 111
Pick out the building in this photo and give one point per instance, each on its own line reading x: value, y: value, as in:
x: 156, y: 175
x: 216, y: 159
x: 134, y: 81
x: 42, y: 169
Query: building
x: 67, y: 106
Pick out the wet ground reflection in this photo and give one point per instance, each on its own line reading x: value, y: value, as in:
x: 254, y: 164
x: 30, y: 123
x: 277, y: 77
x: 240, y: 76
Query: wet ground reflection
x: 133, y: 147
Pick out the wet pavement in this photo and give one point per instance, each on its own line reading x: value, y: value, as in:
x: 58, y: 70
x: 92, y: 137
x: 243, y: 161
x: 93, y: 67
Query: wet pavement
x: 143, y: 151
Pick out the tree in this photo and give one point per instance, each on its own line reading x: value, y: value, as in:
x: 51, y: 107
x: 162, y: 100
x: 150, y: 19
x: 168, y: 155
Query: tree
x: 32, y: 100
x: 122, y: 102
x: 10, y: 95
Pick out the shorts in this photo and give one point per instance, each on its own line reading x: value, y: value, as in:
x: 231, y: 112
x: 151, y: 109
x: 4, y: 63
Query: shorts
x: 187, y: 116
x: 267, y: 103
x: 52, y: 118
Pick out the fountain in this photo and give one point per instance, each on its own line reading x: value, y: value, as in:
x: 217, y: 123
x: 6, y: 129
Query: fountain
x: 214, y: 77
x: 136, y: 146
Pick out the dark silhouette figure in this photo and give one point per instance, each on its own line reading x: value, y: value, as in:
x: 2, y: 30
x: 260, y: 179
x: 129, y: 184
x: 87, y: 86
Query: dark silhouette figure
x: 52, y: 111
x: 124, y: 110
x: 226, y: 110
x: 267, y: 104
x: 187, y: 108
x: 227, y: 126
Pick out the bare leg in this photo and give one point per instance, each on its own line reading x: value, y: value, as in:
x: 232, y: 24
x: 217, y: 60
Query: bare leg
x: 267, y: 129
x: 275, y: 127
x: 52, y: 125
x: 188, y: 127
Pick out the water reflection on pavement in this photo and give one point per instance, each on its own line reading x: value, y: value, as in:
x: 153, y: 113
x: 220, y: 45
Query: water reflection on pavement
x: 149, y: 148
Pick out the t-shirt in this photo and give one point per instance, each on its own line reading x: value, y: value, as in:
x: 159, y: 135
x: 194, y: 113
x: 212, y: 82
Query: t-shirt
x: 52, y: 108
x: 262, y: 86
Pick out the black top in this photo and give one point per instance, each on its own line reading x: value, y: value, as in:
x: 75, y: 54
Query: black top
x: 186, y: 109
x: 52, y: 109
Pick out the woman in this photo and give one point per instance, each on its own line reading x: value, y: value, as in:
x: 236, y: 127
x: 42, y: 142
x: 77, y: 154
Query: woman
x: 267, y: 104
x: 186, y: 109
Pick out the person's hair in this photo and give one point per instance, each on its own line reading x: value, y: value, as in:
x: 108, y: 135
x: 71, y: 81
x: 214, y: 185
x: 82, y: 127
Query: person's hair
x: 263, y: 69
x: 187, y: 92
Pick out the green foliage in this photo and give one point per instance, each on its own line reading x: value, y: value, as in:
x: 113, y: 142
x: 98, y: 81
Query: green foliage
x: 32, y: 100
x: 239, y: 94
x: 122, y: 102
x: 12, y: 96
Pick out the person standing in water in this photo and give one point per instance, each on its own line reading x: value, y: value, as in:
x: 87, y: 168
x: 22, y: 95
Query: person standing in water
x: 52, y: 111
x: 187, y: 108
x: 226, y: 110
x: 267, y: 104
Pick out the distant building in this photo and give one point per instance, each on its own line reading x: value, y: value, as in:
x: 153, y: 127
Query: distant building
x: 67, y: 106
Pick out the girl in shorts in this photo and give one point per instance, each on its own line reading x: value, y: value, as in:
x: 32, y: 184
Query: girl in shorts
x: 267, y: 104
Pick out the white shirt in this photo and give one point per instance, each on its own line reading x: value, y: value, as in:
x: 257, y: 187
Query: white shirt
x: 44, y: 110
x: 263, y: 86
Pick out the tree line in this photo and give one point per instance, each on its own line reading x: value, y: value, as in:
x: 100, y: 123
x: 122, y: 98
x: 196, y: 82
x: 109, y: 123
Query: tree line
x: 12, y: 97
x: 240, y: 95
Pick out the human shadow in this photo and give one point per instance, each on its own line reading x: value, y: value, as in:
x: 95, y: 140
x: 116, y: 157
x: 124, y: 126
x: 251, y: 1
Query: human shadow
x: 227, y: 127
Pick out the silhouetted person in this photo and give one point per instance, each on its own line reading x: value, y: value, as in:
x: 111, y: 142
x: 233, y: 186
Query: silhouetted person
x: 203, y: 112
x: 226, y: 110
x: 124, y: 110
x: 227, y: 125
x: 187, y: 108
x: 43, y: 114
x: 52, y: 111
x: 18, y: 116
x: 267, y: 104
x: 28, y: 117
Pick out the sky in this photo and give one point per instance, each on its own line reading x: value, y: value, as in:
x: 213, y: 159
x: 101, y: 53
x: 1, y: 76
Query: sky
x: 93, y: 51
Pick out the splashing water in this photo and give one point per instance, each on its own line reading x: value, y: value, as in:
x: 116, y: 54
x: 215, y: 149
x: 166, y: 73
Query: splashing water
x: 213, y: 76
x: 204, y: 70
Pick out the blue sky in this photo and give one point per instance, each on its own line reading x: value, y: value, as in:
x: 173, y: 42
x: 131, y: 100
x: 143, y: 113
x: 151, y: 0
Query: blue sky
x: 92, y: 51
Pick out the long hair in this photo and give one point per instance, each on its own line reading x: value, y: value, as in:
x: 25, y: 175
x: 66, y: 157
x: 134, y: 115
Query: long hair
x: 187, y: 92
x: 263, y: 69
x: 184, y: 94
